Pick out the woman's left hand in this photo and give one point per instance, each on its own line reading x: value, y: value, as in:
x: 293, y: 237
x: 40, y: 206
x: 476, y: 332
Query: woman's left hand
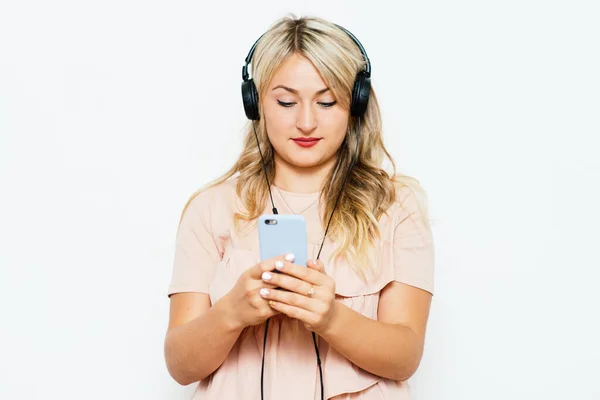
x: 311, y: 293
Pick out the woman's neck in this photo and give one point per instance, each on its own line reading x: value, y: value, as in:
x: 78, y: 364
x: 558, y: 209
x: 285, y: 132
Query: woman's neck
x: 295, y: 179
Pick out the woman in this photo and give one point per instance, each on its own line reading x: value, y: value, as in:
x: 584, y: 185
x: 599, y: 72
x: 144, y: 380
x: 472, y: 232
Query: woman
x: 366, y: 299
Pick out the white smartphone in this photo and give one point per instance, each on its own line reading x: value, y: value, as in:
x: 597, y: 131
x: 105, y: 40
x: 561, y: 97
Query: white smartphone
x: 282, y: 234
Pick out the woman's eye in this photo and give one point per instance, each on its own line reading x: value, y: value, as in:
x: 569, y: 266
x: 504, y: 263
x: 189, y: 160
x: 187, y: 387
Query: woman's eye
x: 291, y: 104
x: 284, y: 104
x: 330, y: 104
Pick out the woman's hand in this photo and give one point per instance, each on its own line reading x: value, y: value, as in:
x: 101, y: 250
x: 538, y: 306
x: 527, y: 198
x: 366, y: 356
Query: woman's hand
x: 310, y: 295
x: 244, y: 302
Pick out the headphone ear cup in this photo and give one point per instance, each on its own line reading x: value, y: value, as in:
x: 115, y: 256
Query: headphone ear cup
x: 250, y: 99
x: 360, y: 95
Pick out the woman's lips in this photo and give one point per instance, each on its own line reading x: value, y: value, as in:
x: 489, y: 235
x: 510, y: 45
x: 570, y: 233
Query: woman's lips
x: 306, y: 142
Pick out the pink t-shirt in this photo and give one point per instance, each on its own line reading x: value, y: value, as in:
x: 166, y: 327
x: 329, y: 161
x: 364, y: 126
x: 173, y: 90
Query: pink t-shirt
x: 210, y: 256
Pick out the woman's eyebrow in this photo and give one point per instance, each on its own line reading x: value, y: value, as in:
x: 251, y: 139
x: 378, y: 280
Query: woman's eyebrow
x: 295, y: 91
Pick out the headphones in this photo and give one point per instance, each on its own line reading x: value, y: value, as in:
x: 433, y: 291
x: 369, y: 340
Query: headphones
x: 358, y: 106
x: 360, y: 91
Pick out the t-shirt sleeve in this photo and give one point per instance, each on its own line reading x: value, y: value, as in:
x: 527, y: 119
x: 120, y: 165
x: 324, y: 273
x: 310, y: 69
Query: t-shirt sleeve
x: 198, y: 250
x: 414, y: 256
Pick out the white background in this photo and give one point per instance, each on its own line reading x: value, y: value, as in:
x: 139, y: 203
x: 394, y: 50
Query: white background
x: 112, y: 113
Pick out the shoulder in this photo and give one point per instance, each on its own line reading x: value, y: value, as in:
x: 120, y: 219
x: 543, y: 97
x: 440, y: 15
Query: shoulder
x: 212, y: 200
x: 214, y: 195
x: 410, y: 201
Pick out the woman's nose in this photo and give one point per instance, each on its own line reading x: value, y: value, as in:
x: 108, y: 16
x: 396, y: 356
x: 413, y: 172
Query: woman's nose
x: 307, y: 120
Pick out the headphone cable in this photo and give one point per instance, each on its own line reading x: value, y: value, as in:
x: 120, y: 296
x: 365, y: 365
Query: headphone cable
x: 262, y: 369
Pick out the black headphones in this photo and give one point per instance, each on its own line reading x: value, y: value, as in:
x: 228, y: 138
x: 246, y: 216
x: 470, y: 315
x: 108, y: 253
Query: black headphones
x: 358, y: 106
x: 360, y: 92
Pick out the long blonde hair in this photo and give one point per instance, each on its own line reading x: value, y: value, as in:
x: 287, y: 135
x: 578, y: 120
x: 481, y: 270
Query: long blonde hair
x: 369, y: 190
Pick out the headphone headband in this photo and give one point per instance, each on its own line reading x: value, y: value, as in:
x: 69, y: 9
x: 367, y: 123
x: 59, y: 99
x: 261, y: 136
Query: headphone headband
x: 367, y: 70
x: 362, y: 49
x: 245, y: 75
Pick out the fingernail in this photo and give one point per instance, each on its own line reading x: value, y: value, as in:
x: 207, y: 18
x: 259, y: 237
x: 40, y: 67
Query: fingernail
x: 290, y: 257
x: 264, y: 292
x: 279, y: 264
x: 266, y: 276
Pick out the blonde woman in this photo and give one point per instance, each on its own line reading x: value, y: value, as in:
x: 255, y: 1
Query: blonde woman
x: 351, y: 323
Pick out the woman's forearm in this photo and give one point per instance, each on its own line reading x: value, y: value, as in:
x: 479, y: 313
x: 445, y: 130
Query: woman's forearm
x: 196, y: 349
x: 388, y: 350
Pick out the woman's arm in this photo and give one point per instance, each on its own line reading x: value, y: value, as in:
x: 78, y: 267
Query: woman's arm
x: 390, y: 347
x: 199, y: 336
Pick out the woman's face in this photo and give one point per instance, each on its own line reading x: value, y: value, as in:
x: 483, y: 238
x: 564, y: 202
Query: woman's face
x: 304, y: 123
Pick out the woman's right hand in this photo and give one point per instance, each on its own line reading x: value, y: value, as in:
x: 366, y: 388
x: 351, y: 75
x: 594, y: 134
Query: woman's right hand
x: 246, y: 306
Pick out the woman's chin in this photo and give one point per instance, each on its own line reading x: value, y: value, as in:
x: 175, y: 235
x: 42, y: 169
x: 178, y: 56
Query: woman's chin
x: 304, y: 161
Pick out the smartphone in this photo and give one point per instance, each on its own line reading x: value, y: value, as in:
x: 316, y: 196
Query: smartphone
x: 282, y: 234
